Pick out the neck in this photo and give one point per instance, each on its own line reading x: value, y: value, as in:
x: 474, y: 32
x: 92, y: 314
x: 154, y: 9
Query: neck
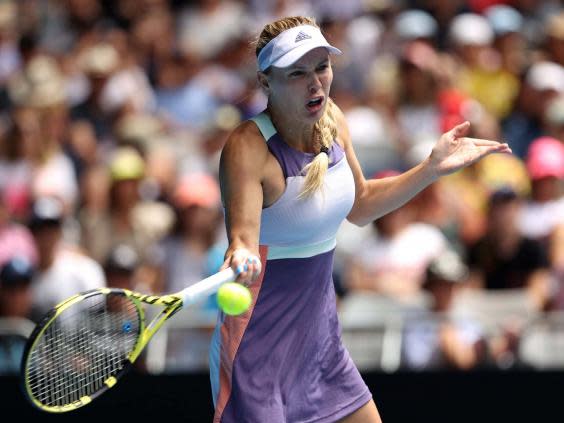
x: 297, y: 134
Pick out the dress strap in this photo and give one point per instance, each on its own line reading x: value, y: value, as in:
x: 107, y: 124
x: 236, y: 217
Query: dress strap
x: 265, y: 125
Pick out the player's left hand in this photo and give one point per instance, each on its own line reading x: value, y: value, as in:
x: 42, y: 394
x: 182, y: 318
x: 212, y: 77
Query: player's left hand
x: 454, y: 150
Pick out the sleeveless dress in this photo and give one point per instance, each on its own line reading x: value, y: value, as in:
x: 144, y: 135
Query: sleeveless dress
x: 283, y: 361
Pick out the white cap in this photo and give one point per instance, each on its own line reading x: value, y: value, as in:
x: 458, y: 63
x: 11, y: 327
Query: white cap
x: 290, y: 45
x: 412, y: 24
x: 504, y: 19
x: 471, y: 29
x: 546, y: 76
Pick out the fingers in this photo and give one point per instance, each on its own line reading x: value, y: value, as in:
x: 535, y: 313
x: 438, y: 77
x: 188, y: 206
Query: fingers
x: 485, y: 150
x: 247, y: 266
x: 487, y: 143
x: 492, y: 146
x: 461, y: 129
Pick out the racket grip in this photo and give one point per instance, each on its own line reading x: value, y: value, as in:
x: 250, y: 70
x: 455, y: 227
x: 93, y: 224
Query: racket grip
x: 206, y: 287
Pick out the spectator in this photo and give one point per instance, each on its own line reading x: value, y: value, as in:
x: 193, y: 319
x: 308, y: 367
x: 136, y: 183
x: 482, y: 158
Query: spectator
x: 15, y: 295
x: 129, y: 219
x: 503, y: 258
x: 509, y: 42
x: 98, y: 63
x: 545, y: 209
x: 62, y: 271
x: 391, y: 262
x: 19, y: 157
x: 480, y: 73
x: 435, y: 339
x: 121, y: 266
x: 15, y: 309
x: 40, y: 88
x: 418, y: 112
x: 196, y: 247
x: 542, y: 81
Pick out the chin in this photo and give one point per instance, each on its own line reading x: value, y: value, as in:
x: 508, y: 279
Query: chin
x: 314, y: 116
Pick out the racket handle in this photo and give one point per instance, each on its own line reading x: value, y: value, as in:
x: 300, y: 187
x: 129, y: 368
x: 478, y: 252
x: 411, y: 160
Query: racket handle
x: 206, y: 287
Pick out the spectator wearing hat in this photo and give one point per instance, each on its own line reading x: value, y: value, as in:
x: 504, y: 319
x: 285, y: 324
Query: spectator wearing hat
x: 542, y: 82
x: 503, y: 258
x: 480, y: 73
x: 15, y: 310
x: 124, y: 216
x: 507, y: 24
x: 194, y: 250
x: 196, y: 246
x: 545, y: 208
x: 97, y: 62
x: 62, y: 271
x: 436, y: 339
x: 39, y: 97
x: 542, y: 217
x: 121, y: 266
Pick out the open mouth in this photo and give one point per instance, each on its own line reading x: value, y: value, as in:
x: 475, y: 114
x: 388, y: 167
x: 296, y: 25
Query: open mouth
x: 314, y: 103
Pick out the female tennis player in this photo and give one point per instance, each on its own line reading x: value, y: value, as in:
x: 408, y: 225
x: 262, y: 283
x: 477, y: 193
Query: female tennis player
x: 289, y: 177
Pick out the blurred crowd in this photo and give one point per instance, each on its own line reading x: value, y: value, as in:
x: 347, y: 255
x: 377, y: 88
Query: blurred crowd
x: 113, y: 115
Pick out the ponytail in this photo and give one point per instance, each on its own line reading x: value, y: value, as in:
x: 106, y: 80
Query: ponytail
x: 326, y: 131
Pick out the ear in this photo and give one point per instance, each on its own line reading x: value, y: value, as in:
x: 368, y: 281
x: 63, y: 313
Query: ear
x: 263, y: 81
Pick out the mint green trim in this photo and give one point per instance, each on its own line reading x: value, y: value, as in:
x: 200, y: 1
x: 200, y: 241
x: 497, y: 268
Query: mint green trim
x: 265, y: 125
x: 279, y: 252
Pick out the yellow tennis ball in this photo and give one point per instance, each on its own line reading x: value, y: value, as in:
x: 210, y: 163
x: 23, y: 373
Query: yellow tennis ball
x: 234, y: 298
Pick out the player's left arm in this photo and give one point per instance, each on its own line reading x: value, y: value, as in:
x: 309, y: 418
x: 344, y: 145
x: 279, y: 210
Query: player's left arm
x: 377, y: 197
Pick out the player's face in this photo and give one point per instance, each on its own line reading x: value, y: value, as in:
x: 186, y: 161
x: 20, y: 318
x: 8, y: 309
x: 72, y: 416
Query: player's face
x: 302, y: 89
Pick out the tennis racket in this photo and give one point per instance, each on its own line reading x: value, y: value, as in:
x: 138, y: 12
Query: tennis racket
x: 86, y: 343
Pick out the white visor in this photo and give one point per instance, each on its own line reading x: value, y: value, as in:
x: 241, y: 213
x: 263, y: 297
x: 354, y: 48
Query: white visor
x: 290, y: 45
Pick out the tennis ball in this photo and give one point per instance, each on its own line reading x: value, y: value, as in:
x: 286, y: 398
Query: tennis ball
x: 234, y: 298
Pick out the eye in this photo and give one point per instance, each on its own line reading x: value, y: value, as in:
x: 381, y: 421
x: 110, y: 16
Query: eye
x: 295, y: 74
x: 323, y: 67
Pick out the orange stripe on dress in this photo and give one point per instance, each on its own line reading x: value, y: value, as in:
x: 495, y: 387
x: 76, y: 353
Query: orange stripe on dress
x: 232, y: 331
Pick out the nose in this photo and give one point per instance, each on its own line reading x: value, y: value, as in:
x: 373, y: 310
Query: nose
x: 314, y: 83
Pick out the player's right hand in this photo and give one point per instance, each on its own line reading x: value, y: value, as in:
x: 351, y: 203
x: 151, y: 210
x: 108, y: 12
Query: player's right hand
x: 245, y: 264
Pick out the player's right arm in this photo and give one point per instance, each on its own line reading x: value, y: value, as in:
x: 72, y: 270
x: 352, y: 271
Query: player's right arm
x: 241, y: 174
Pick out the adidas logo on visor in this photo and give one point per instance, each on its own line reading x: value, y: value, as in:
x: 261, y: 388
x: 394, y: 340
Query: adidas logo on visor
x: 302, y: 36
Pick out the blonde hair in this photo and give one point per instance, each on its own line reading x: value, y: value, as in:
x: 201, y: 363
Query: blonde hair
x: 325, y: 130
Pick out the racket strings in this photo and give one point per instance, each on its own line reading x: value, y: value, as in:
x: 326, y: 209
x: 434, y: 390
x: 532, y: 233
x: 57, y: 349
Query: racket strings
x: 83, y: 347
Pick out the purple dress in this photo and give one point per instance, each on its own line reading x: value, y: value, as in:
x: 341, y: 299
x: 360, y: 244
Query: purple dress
x: 283, y: 360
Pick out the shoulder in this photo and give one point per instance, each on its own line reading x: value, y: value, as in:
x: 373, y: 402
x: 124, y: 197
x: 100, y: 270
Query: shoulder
x: 244, y: 156
x: 244, y: 143
x: 76, y: 258
x: 246, y: 134
x: 74, y: 262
